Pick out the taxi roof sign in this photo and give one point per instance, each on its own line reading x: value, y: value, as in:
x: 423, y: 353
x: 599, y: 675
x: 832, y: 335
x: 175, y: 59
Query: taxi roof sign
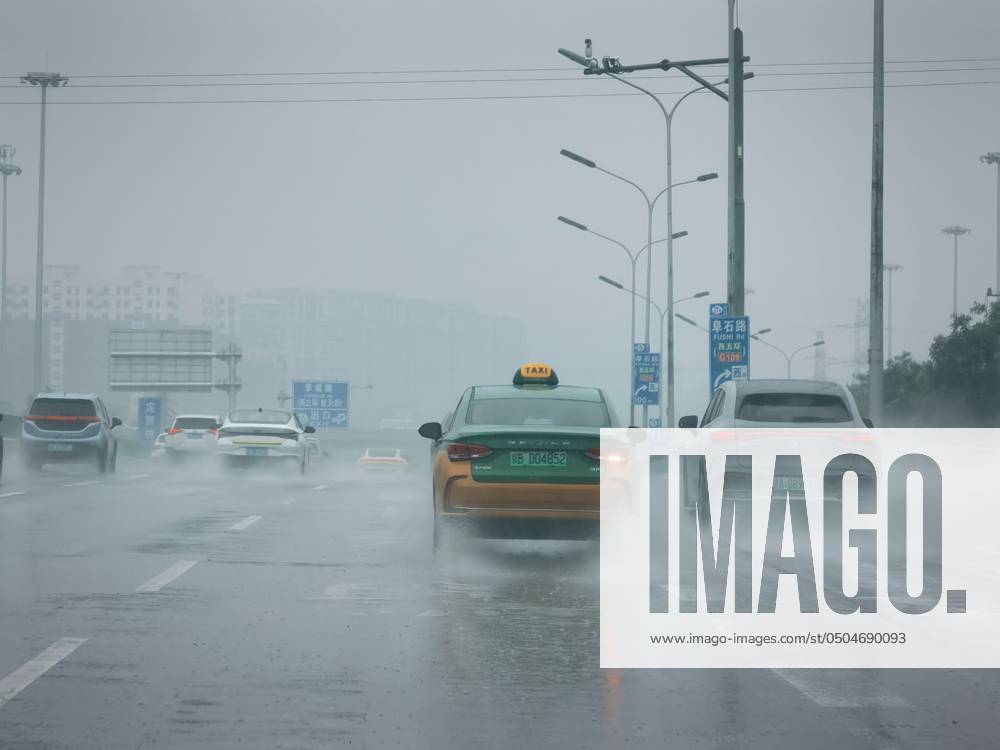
x: 536, y: 373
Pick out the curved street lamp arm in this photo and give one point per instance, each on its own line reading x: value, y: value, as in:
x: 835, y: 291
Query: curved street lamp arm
x: 622, y: 245
x: 675, y: 185
x: 650, y: 94
x: 627, y: 181
x: 646, y: 247
x: 802, y: 349
x: 755, y: 337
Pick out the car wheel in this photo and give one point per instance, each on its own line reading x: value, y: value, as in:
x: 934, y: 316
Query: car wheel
x: 114, y: 460
x: 303, y: 465
x: 102, y: 461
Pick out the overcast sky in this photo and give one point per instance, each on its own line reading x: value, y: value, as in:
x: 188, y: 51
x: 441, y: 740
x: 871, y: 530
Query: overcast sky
x: 456, y: 199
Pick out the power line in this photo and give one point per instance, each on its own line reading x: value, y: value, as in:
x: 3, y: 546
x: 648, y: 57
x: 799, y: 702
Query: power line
x: 484, y: 97
x: 442, y: 71
x: 432, y: 81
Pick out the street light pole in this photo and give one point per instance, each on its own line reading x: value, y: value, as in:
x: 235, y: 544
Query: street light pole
x: 890, y: 269
x: 44, y: 80
x: 7, y: 168
x: 633, y: 260
x: 994, y: 158
x: 788, y: 357
x: 661, y: 312
x: 671, y: 235
x: 956, y: 232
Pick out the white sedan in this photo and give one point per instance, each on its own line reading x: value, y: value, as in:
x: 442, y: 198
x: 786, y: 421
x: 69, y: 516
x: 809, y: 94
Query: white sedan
x: 252, y: 435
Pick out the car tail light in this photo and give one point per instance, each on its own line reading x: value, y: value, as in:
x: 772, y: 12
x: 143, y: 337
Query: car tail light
x: 174, y: 431
x: 215, y: 431
x: 594, y: 453
x: 467, y: 451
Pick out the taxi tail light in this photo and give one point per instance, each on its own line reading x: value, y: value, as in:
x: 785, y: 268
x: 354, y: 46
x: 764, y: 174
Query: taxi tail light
x: 467, y: 451
x: 174, y: 431
x: 594, y: 453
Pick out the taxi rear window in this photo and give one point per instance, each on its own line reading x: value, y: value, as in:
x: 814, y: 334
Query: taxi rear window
x: 515, y: 411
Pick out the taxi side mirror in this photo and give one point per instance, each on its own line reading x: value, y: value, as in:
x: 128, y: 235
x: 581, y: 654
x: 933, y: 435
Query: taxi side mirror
x: 309, y: 429
x: 430, y: 430
x: 690, y: 422
x: 115, y: 422
x: 868, y: 422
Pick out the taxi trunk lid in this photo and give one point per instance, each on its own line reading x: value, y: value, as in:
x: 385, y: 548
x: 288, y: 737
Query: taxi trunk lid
x: 557, y: 456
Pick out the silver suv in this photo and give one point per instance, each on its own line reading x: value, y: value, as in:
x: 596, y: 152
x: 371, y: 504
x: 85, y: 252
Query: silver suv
x: 69, y: 426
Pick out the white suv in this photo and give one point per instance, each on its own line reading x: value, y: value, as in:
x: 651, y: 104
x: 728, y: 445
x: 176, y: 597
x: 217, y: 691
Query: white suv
x: 192, y: 433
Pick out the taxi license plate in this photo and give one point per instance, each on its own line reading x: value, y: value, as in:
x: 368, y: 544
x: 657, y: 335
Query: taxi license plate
x: 60, y: 448
x: 195, y: 436
x: 256, y: 451
x: 789, y: 484
x: 538, y: 459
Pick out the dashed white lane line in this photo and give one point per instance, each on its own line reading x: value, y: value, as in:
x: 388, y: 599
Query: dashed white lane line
x: 10, y: 494
x: 19, y: 679
x: 841, y: 694
x: 245, y: 523
x: 288, y: 501
x: 83, y: 484
x: 140, y: 476
x: 321, y: 486
x: 173, y: 572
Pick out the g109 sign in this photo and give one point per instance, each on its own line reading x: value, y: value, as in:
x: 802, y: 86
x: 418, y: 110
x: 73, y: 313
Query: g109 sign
x: 799, y: 548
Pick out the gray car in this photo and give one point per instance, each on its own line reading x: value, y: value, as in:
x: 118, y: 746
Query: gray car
x: 69, y: 427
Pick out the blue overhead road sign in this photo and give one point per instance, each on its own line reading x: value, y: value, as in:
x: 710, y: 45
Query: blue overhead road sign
x: 646, y: 378
x: 729, y: 350
x: 150, y: 414
x: 322, y: 403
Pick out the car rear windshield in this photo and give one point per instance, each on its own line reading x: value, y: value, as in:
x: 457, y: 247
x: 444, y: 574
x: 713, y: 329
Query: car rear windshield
x: 195, y: 423
x: 538, y: 411
x: 63, y: 407
x: 793, y: 407
x: 262, y: 416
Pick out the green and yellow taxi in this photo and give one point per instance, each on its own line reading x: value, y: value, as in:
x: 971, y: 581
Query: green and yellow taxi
x: 520, y: 460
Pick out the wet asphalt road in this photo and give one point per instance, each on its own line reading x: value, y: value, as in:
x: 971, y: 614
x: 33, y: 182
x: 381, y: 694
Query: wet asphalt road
x: 286, y: 612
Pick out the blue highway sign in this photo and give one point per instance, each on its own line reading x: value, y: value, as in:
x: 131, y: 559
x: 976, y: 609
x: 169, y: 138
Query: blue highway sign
x: 322, y: 403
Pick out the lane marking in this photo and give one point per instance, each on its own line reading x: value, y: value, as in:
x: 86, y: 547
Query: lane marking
x: 83, y: 484
x: 173, y: 572
x: 19, y: 679
x: 288, y: 501
x: 10, y: 494
x: 321, y: 486
x: 140, y: 476
x: 245, y: 523
x: 850, y: 695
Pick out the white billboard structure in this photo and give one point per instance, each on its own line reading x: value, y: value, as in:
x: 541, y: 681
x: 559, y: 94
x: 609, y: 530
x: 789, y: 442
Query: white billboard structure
x: 169, y: 360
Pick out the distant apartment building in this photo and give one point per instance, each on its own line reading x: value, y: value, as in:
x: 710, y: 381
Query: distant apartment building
x: 403, y: 358
x: 133, y: 295
x: 81, y: 305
